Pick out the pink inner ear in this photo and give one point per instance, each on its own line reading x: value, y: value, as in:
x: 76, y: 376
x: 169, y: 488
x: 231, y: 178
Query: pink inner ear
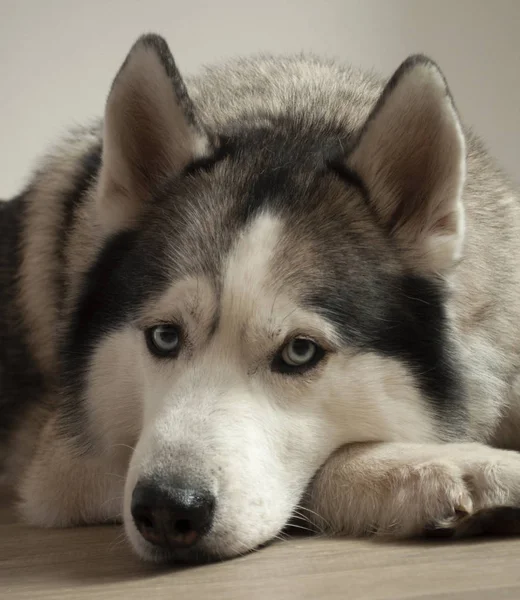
x: 448, y: 223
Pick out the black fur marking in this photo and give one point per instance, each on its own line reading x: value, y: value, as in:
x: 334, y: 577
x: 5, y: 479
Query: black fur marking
x: 405, y: 319
x: 266, y: 191
x: 124, y: 275
x: 87, y: 172
x: 207, y: 163
x: 423, y: 340
x: 21, y: 383
x: 350, y: 177
x: 284, y: 158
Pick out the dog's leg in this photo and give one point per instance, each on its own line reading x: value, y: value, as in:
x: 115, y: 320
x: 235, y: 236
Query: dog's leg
x: 403, y: 490
x: 62, y: 487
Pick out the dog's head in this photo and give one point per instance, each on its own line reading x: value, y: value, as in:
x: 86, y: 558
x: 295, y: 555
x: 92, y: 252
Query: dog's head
x: 270, y: 289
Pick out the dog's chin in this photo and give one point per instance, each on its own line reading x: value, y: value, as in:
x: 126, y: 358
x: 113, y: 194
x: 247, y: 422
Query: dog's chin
x: 200, y: 554
x: 197, y: 555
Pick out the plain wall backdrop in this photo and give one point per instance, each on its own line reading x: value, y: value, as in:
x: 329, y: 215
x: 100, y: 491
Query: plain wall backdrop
x: 58, y: 57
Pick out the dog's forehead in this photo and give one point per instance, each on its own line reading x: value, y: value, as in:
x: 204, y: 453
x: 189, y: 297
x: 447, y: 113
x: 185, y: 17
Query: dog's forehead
x: 248, y: 300
x: 268, y: 219
x: 241, y: 280
x: 201, y: 215
x: 248, y: 266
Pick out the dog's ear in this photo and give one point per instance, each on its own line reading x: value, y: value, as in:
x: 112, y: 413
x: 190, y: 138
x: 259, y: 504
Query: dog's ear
x: 151, y: 131
x: 411, y: 158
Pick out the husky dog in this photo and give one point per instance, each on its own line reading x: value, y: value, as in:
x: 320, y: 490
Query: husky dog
x: 282, y: 288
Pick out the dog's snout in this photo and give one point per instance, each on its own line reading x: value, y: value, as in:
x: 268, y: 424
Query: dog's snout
x: 172, y: 516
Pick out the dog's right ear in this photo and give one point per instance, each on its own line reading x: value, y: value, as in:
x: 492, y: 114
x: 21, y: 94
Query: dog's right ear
x: 411, y: 157
x: 151, y: 132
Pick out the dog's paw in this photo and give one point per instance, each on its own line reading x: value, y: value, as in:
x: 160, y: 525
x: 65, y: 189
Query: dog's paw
x: 414, y: 498
x: 407, y: 490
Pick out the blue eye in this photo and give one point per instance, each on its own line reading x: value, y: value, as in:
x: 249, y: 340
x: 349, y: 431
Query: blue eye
x: 299, y: 352
x: 164, y: 340
x: 297, y: 356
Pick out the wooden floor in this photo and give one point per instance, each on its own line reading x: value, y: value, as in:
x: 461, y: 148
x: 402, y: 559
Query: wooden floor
x: 96, y: 563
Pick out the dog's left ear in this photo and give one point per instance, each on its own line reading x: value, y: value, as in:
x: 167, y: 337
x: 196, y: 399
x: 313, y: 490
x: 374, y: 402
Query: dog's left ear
x: 151, y: 131
x: 411, y: 157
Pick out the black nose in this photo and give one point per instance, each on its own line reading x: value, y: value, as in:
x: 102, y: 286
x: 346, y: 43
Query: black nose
x: 171, y: 516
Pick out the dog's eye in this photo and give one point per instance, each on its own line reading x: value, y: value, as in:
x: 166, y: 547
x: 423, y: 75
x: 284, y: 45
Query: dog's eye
x: 297, y: 356
x: 163, y: 340
x: 299, y: 352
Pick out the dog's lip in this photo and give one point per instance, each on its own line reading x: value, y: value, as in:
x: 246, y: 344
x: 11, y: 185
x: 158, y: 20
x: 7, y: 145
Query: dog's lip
x: 193, y: 557
x: 197, y: 555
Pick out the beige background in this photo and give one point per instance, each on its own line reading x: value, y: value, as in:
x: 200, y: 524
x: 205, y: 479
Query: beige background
x: 57, y: 57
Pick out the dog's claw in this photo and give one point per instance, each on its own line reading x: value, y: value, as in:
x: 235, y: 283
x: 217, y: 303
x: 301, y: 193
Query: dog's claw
x: 500, y: 520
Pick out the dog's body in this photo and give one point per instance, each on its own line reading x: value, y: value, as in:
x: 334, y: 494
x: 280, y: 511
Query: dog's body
x: 329, y: 265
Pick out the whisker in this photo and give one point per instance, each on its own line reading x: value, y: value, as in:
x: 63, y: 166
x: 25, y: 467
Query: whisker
x: 302, y: 528
x: 113, y: 499
x: 301, y: 515
x: 124, y: 446
x: 315, y: 514
x: 282, y: 537
x: 120, y: 539
x: 116, y: 519
x: 289, y: 315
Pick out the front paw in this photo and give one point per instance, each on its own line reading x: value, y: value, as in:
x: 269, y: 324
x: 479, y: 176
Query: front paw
x: 407, y: 490
x: 414, y: 499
